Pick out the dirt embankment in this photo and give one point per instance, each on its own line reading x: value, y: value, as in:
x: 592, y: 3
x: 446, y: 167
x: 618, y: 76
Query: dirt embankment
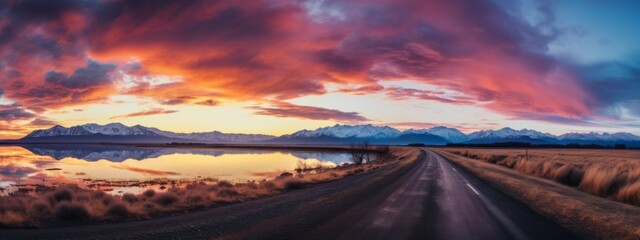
x: 540, y: 185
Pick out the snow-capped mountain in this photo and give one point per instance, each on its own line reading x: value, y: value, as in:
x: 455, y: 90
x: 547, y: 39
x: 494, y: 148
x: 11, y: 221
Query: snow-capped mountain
x: 118, y: 129
x: 351, y: 131
x: 509, y: 132
x: 59, y: 131
x: 119, y: 132
x: 599, y: 136
x: 350, y: 134
x: 214, y: 136
x: 535, y: 137
x: 450, y: 134
x: 227, y: 137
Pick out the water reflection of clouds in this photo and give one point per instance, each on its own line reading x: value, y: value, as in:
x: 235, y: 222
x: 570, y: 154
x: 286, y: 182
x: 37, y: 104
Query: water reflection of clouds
x: 84, y: 164
x: 12, y: 171
x: 146, y: 171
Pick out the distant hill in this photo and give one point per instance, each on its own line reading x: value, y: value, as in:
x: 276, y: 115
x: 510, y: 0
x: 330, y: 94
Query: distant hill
x: 119, y: 133
x: 400, y: 139
x: 337, y: 134
x: 450, y: 134
x: 521, y: 139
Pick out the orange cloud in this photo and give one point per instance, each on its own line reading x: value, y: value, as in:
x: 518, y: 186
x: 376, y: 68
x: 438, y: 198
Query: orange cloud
x: 154, y: 111
x: 287, y: 110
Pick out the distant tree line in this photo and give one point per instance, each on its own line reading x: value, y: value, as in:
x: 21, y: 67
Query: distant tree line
x: 529, y: 145
x: 185, y: 143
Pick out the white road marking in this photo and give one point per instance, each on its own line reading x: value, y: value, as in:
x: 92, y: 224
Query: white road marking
x: 473, y: 189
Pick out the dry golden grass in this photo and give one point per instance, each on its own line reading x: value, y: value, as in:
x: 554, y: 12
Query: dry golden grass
x: 630, y: 194
x: 73, y: 203
x: 600, y: 172
x: 578, y: 188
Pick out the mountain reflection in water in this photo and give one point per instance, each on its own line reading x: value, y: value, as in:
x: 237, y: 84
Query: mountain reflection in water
x: 116, y: 153
x: 92, y: 165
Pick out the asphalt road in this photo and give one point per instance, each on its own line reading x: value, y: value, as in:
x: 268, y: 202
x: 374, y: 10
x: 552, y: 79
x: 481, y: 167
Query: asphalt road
x: 438, y: 200
x: 431, y: 199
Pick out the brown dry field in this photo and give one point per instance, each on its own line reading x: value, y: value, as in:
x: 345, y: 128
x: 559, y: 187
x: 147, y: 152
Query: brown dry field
x: 593, y: 192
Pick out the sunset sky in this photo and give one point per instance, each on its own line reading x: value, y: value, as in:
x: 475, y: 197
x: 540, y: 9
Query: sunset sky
x: 275, y: 67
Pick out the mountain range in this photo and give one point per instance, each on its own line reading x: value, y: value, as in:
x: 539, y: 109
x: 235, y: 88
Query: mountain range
x: 118, y: 132
x: 337, y: 134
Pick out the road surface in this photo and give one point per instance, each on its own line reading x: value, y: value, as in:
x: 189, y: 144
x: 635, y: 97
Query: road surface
x: 431, y: 199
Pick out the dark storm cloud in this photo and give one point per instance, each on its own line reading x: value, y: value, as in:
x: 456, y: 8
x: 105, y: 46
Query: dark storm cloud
x: 93, y: 74
x: 615, y: 85
x: 13, y: 112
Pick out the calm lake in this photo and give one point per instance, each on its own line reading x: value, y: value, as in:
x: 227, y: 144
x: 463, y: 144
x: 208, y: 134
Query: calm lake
x: 122, y: 169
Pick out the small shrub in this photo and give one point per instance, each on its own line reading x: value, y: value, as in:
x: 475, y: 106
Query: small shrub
x: 268, y: 185
x: 211, y: 188
x: 166, y: 199
x: 71, y: 211
x: 107, y: 200
x: 130, y: 198
x: 149, y: 193
x: 252, y: 185
x: 227, y: 193
x: 195, y: 198
x: 294, y: 183
x: 40, y: 207
x: 224, y: 183
x: 118, y: 210
x: 98, y: 194
x: 62, y: 194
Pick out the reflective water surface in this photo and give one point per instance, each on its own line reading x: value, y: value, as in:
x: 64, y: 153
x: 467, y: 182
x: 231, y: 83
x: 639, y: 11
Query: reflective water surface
x: 120, y: 169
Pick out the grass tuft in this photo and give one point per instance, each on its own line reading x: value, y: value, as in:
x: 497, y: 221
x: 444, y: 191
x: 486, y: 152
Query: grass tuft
x: 71, y: 211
